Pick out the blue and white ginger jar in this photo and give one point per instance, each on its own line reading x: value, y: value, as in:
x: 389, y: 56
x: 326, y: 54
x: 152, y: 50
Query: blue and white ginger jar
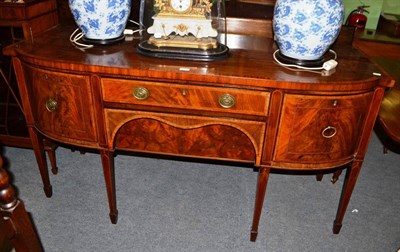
x: 101, y: 19
x: 305, y: 29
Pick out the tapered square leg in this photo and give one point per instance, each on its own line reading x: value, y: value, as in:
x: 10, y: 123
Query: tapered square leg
x: 107, y: 159
x: 263, y: 176
x: 336, y: 227
x: 352, y: 173
x: 38, y: 149
x: 50, y: 149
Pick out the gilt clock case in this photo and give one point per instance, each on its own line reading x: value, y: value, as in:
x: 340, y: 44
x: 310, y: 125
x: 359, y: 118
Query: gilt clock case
x: 183, y: 29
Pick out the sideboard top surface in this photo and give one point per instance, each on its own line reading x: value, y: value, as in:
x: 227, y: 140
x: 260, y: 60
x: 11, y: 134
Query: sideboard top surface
x: 250, y: 63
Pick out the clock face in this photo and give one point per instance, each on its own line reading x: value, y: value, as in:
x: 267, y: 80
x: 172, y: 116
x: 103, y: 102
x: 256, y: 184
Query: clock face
x: 181, y: 6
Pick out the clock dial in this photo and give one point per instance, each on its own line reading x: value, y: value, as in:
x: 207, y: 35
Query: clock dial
x: 181, y: 6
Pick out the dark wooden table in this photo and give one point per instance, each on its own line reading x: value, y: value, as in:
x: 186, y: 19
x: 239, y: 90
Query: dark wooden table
x: 279, y: 119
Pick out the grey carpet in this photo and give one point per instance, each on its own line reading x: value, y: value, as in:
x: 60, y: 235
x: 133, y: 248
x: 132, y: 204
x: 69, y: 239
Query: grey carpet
x: 169, y: 205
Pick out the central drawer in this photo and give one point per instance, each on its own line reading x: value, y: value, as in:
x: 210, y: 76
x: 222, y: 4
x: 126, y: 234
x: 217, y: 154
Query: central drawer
x: 170, y: 95
x: 185, y: 135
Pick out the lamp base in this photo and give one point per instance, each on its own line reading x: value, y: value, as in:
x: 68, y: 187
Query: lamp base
x: 104, y: 41
x: 304, y: 63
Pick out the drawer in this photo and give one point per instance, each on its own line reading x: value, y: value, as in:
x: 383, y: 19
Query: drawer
x: 320, y: 128
x: 186, y: 96
x: 181, y: 135
x: 62, y: 105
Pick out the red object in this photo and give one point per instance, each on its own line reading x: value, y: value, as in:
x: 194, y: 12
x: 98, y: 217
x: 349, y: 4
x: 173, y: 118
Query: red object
x: 357, y: 17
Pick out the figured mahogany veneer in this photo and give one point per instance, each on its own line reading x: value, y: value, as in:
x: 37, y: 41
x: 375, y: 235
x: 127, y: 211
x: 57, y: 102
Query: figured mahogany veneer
x: 184, y: 96
x: 186, y: 135
x: 245, y: 108
x: 73, y: 117
x: 205, y: 141
x: 338, y: 119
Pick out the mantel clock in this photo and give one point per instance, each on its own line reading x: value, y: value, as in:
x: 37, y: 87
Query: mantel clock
x: 185, y: 29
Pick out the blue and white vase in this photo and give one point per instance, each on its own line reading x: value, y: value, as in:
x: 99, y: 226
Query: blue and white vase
x: 101, y: 19
x: 305, y: 29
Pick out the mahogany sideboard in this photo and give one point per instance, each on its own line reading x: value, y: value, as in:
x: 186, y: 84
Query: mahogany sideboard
x: 244, y: 108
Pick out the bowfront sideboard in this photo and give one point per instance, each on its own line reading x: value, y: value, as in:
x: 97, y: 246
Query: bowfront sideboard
x: 244, y: 108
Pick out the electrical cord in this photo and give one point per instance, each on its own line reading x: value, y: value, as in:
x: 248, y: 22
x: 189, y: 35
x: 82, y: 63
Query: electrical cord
x: 138, y: 24
x: 326, y: 66
x: 77, y: 35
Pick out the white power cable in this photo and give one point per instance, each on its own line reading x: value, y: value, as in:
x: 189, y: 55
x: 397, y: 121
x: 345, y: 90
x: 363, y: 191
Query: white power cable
x: 140, y: 25
x: 327, y: 65
x: 76, y: 36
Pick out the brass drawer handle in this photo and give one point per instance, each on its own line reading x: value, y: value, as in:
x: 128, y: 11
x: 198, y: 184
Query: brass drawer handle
x: 227, y: 101
x: 329, y: 132
x: 141, y: 93
x: 51, y: 104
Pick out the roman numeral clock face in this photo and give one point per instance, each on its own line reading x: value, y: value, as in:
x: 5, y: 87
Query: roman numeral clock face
x: 181, y: 6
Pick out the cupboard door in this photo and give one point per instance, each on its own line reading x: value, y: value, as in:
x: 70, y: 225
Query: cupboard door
x: 62, y: 105
x: 320, y: 128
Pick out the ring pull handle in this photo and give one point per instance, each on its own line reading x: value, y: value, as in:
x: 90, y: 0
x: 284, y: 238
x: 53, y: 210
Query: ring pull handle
x: 141, y: 93
x: 329, y: 132
x: 51, y: 104
x: 227, y: 101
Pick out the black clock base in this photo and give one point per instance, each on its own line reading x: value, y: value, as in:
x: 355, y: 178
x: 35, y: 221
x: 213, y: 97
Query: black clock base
x: 220, y: 52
